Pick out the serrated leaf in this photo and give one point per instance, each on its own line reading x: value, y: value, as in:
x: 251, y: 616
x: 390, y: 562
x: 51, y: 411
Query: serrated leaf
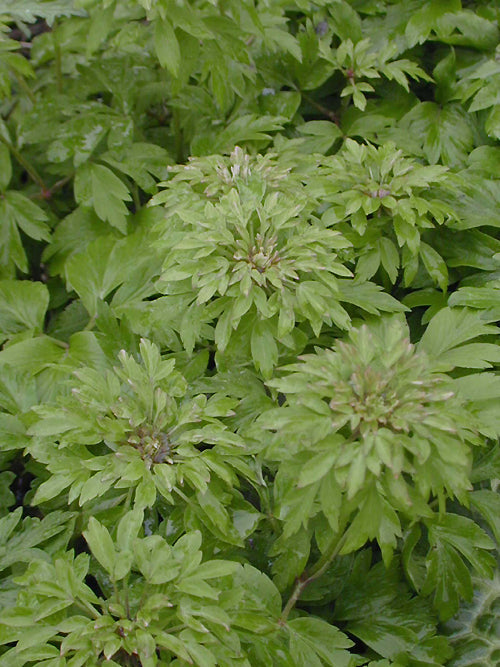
x: 316, y: 468
x: 23, y: 305
x: 487, y: 503
x: 28, y: 10
x: 448, y: 579
x: 452, y: 327
x: 99, y: 187
x: 324, y: 639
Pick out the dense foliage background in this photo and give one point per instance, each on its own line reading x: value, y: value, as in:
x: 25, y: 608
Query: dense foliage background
x: 249, y: 295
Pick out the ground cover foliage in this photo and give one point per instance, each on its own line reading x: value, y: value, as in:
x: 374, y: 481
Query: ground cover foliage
x: 249, y: 305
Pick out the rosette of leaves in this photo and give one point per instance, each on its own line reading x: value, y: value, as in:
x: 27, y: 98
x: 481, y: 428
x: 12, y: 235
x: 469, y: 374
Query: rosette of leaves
x: 384, y: 203
x: 153, y: 602
x: 259, y: 263
x: 371, y: 438
x: 365, y: 60
x: 136, y: 429
x: 264, y: 262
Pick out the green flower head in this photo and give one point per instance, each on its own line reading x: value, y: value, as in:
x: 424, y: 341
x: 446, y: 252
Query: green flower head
x: 135, y: 428
x: 254, y: 254
x: 373, y: 411
x: 383, y: 202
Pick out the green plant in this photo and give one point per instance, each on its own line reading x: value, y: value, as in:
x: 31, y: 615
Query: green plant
x: 249, y: 295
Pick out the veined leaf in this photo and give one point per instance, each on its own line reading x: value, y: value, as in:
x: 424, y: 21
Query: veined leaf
x: 23, y: 305
x: 99, y: 187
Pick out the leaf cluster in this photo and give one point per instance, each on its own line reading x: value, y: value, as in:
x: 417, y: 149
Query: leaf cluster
x: 249, y: 306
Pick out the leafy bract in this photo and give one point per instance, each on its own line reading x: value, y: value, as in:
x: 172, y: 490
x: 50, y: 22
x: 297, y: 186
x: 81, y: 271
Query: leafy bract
x: 150, y: 429
x: 370, y: 419
x: 240, y: 248
x: 383, y: 197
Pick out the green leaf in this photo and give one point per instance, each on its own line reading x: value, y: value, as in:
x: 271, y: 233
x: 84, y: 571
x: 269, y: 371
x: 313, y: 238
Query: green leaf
x: 377, y: 606
x: 167, y: 46
x: 27, y: 215
x: 487, y: 503
x: 128, y: 528
x: 444, y: 133
x: 264, y: 348
x: 101, y: 544
x: 173, y: 644
x: 346, y: 22
x: 154, y: 559
x: 23, y: 305
x: 424, y: 20
x: 476, y: 297
x: 32, y: 355
x: 473, y: 632
x: 319, y: 135
x: 451, y: 327
x: 316, y: 468
x: 8, y: 523
x: 28, y: 10
x: 448, y: 579
x: 105, y: 265
x: 376, y: 519
x: 5, y: 167
x: 258, y: 590
x: 51, y: 488
x: 327, y: 641
x: 99, y: 187
x: 389, y: 257
x: 435, y: 265
x: 17, y: 212
x: 216, y: 568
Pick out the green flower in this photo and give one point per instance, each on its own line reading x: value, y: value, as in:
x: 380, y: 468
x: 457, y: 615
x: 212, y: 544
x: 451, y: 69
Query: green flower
x: 212, y: 176
x: 387, y: 201
x: 136, y: 428
x: 371, y: 420
x: 254, y: 255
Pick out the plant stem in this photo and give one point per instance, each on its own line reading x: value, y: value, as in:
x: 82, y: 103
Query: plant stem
x: 116, y: 592
x: 47, y: 194
x: 314, y: 573
x: 35, y: 176
x: 90, y: 324
x: 86, y: 606
x: 331, y: 115
x: 22, y: 84
x: 62, y: 182
x: 58, y: 342
x: 175, y: 628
